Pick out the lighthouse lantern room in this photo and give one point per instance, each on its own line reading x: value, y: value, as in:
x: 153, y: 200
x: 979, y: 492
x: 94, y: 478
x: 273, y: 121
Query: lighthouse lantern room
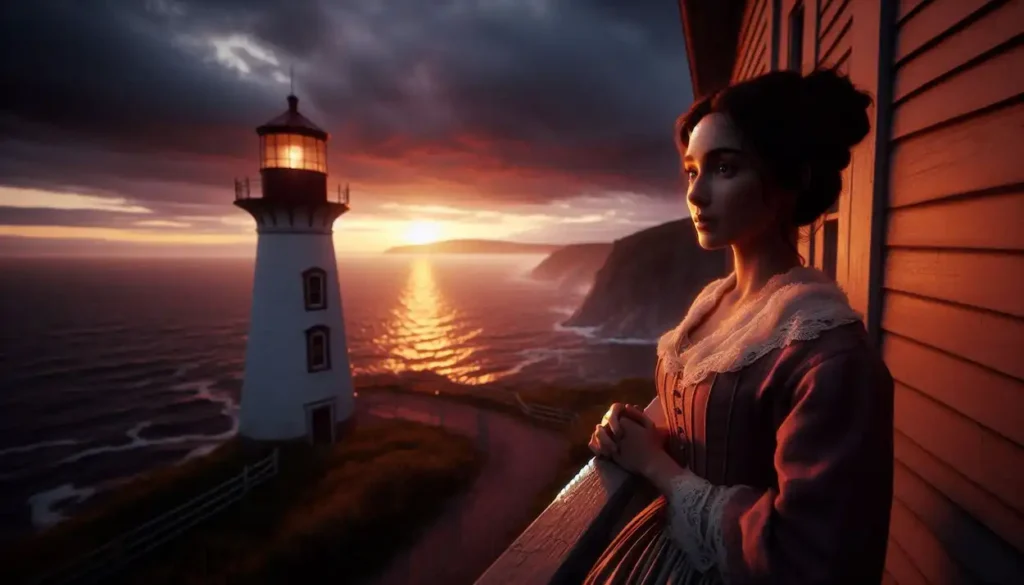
x: 297, y: 381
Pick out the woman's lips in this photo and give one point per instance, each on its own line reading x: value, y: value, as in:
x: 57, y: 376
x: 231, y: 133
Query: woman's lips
x: 703, y: 223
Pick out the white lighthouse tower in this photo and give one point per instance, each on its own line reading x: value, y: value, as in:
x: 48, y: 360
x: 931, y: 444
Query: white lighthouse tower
x: 297, y: 379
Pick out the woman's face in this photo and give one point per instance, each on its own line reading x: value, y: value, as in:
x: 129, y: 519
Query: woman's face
x: 725, y: 192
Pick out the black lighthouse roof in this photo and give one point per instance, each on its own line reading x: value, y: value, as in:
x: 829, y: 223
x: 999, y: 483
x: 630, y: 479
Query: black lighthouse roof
x: 292, y: 122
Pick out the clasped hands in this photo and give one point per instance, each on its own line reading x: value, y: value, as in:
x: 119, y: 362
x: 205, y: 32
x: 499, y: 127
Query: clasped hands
x: 629, y: 437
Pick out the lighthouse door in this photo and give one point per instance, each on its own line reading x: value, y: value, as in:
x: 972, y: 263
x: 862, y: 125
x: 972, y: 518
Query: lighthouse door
x: 321, y: 424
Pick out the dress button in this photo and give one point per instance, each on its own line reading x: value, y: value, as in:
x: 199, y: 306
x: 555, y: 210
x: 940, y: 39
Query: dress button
x: 676, y: 393
x: 679, y: 430
x: 679, y: 410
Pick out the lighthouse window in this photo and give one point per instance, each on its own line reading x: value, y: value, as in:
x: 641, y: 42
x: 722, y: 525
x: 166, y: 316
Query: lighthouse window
x: 314, y: 289
x: 318, y: 348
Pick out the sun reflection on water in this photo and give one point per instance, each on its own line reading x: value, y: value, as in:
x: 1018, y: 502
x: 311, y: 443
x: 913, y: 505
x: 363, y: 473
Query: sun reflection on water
x: 425, y: 333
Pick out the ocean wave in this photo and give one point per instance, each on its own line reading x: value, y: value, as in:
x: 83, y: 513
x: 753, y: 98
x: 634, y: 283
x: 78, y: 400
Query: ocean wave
x: 39, y: 445
x: 630, y: 340
x: 591, y: 334
x: 43, y: 504
x: 200, y: 390
x: 587, y: 332
x: 118, y: 384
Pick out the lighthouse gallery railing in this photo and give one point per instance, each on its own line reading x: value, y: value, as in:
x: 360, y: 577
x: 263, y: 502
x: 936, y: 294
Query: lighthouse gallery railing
x: 244, y: 188
x: 117, y: 553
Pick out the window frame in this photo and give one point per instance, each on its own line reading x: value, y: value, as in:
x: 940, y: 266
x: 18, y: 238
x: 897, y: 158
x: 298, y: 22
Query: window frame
x: 308, y: 277
x: 324, y: 363
x: 795, y: 46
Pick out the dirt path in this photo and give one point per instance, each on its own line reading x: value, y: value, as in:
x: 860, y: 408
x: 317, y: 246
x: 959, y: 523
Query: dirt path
x: 475, y: 529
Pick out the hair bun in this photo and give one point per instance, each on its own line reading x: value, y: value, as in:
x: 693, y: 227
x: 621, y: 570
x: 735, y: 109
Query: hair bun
x: 839, y: 118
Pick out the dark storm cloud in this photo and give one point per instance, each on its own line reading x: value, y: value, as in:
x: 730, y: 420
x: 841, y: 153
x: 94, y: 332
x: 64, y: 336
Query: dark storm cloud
x: 515, y: 100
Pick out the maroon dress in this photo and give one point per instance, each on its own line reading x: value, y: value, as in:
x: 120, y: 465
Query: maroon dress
x: 787, y: 428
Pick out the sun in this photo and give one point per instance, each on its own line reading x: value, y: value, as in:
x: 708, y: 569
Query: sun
x: 422, y: 232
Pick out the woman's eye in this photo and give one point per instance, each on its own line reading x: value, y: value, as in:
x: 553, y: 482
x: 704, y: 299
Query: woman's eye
x: 691, y: 174
x: 725, y: 169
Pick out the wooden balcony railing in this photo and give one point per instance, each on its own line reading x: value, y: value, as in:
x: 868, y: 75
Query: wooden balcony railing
x: 562, y: 544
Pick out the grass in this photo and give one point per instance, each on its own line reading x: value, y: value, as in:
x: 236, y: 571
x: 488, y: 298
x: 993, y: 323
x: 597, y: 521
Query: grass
x: 590, y: 404
x: 490, y: 399
x: 336, y: 513
x: 120, y: 510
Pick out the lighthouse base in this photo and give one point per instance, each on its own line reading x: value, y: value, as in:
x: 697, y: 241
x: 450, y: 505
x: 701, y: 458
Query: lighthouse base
x: 297, y: 382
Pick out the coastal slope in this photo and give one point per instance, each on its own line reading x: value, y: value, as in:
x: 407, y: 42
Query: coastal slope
x: 573, y: 266
x: 648, y: 282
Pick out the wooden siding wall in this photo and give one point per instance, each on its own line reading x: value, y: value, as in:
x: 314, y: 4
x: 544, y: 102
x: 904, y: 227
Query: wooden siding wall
x: 754, y: 55
x: 833, y: 42
x: 953, y: 298
x: 842, y: 243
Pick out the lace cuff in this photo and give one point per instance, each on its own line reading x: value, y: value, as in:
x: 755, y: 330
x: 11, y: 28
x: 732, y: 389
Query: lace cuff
x: 695, y: 520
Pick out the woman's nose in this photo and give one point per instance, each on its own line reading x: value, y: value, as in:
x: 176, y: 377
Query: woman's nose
x: 697, y: 193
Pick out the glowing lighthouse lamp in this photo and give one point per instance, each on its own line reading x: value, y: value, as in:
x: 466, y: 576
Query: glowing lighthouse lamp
x: 297, y: 380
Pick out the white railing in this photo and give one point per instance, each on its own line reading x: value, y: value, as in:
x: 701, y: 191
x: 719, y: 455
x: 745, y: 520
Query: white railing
x: 343, y: 195
x: 242, y: 189
x: 115, y: 554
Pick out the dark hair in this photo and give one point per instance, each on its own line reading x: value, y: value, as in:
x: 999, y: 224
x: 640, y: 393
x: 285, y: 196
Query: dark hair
x: 794, y: 124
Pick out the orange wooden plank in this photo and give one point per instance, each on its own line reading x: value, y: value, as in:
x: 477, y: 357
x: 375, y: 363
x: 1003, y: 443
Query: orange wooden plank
x: 756, y: 50
x: 931, y: 21
x: 901, y: 567
x: 985, y: 458
x: 836, y: 41
x: 987, y: 339
x: 990, y: 222
x: 924, y: 550
x: 970, y: 546
x: 989, y: 31
x: 753, y: 21
x: 1002, y: 520
x: 992, y: 400
x: 971, y: 155
x: 832, y: 15
x: 993, y: 281
x: 906, y: 7
x: 989, y: 82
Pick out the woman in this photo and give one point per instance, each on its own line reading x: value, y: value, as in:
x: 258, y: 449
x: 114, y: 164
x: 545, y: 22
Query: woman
x: 771, y: 444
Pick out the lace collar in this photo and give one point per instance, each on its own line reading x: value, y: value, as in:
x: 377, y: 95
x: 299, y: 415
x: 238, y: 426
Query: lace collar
x: 797, y: 305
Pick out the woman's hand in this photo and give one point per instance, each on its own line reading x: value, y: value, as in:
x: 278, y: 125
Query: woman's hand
x: 641, y: 446
x: 603, y: 440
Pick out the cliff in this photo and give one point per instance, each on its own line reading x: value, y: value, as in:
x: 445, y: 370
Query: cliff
x: 573, y: 266
x: 648, y: 282
x: 474, y: 247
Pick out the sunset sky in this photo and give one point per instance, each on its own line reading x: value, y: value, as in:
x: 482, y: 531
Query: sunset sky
x: 124, y: 123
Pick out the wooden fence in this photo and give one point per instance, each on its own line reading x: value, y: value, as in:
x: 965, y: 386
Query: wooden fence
x: 105, y: 561
x: 545, y: 413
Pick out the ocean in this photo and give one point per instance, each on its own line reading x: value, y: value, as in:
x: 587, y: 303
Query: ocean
x: 113, y: 367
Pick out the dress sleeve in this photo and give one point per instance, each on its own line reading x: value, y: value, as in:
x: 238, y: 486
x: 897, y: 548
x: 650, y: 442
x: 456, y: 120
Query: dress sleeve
x: 827, y: 521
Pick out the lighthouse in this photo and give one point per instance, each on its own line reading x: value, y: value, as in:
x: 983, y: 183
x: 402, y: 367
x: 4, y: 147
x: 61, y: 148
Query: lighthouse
x: 297, y: 382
